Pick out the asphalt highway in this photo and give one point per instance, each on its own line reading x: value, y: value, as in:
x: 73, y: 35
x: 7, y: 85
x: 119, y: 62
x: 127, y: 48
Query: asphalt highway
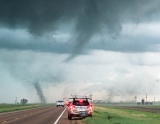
x: 43, y: 115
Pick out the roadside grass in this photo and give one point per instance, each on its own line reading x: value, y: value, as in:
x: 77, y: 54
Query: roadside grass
x: 16, y: 107
x: 111, y: 115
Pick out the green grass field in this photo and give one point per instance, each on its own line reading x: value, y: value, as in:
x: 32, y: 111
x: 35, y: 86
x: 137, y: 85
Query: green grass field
x: 111, y: 115
x: 14, y: 107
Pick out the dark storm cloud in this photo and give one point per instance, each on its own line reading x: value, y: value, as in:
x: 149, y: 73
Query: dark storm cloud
x: 91, y: 17
x: 41, y: 46
x: 39, y: 16
x: 131, y: 45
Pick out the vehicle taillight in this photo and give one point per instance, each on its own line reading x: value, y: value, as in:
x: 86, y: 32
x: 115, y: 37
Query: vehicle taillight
x: 71, y: 106
x: 90, y: 107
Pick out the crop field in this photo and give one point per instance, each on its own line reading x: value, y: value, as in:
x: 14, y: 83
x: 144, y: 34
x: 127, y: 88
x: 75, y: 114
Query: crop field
x: 15, y: 107
x: 124, y: 115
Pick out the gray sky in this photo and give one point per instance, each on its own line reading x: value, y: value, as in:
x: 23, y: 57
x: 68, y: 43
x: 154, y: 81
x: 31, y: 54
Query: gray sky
x: 107, y: 48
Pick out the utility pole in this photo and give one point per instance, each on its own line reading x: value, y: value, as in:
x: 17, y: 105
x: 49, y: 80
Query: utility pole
x: 135, y: 98
x: 91, y: 97
x: 16, y: 100
x: 154, y: 101
x: 146, y: 97
x: 41, y: 99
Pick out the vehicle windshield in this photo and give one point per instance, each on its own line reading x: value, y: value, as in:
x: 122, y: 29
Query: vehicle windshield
x: 84, y: 103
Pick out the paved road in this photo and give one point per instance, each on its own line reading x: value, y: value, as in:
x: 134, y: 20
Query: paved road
x: 43, y: 115
x: 64, y: 119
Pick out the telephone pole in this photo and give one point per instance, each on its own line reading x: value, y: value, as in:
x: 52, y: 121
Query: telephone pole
x: 16, y: 100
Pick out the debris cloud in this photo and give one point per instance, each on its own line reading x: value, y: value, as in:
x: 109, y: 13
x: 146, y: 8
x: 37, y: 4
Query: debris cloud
x: 40, y: 93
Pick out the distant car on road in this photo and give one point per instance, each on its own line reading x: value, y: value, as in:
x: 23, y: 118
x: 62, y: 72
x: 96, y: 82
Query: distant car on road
x: 79, y: 107
x: 60, y: 103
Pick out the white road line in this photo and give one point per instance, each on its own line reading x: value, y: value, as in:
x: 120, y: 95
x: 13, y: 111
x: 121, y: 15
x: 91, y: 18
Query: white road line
x: 60, y: 116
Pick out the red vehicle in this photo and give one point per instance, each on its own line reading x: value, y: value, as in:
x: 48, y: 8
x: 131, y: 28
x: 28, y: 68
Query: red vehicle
x: 79, y: 107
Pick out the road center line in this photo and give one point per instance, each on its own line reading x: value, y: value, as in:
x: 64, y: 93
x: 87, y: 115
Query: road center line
x: 60, y: 116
